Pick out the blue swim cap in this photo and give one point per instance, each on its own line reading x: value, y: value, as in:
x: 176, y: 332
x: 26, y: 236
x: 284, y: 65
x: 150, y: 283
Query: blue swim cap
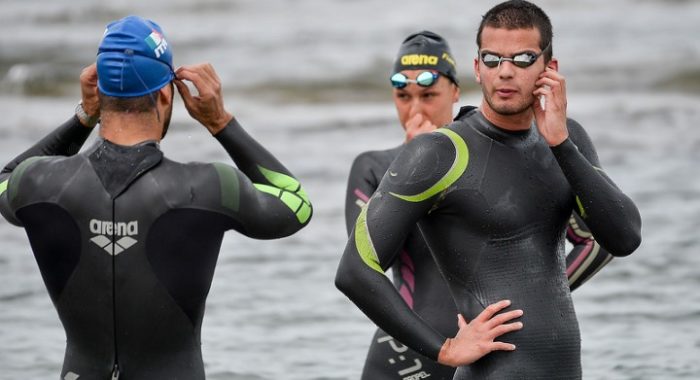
x: 133, y: 59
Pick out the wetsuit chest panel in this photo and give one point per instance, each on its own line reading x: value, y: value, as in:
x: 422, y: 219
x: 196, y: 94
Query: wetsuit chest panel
x: 509, y: 187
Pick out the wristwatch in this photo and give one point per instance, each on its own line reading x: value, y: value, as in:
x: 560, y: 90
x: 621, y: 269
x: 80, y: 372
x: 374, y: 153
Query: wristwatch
x: 87, y: 120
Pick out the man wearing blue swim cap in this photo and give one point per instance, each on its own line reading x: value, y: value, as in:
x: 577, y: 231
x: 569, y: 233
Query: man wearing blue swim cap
x: 127, y: 240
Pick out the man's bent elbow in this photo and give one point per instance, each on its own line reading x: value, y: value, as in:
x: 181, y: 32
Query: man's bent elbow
x: 625, y: 246
x: 347, y: 280
x: 342, y: 281
x: 275, y: 227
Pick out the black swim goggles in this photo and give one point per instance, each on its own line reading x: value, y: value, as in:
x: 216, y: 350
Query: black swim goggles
x: 424, y: 79
x: 522, y: 60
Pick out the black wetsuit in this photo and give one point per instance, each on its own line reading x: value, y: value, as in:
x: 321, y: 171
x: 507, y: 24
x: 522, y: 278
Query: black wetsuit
x: 419, y: 282
x: 127, y: 241
x: 493, y: 207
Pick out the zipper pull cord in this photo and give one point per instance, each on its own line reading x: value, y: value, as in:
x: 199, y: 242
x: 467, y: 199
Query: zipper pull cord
x: 115, y: 372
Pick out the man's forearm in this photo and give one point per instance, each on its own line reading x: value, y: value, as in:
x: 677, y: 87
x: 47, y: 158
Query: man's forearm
x: 264, y: 170
x: 66, y: 140
x: 610, y: 214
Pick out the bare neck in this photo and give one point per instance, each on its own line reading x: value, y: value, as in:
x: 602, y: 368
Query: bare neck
x: 516, y: 122
x: 130, y: 129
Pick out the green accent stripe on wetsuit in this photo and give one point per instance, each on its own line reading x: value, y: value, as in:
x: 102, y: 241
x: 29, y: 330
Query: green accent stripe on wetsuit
x: 17, y: 175
x: 228, y: 180
x: 363, y: 242
x: 458, y: 167
x: 3, y: 186
x: 581, y: 210
x: 289, y: 190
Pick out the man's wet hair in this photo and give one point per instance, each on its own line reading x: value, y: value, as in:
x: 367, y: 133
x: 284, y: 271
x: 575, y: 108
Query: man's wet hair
x: 133, y: 105
x: 519, y: 14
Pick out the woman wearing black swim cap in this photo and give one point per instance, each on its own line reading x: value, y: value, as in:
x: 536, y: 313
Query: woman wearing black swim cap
x: 424, y: 92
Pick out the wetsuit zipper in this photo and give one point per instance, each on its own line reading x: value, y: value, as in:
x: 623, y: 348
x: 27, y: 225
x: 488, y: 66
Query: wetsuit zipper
x: 115, y: 368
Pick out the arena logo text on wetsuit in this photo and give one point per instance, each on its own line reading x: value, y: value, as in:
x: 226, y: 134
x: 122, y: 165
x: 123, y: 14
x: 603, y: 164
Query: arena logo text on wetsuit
x: 104, y: 228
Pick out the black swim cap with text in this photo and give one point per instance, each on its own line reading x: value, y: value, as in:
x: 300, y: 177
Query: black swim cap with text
x: 426, y: 50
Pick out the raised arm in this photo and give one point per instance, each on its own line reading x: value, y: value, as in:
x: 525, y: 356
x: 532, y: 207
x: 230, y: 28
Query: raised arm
x: 66, y: 140
x: 410, y: 189
x: 270, y: 200
x: 610, y: 214
x: 587, y: 256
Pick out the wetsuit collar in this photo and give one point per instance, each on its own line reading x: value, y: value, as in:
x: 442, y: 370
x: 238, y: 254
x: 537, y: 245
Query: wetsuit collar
x: 494, y: 132
x: 118, y: 166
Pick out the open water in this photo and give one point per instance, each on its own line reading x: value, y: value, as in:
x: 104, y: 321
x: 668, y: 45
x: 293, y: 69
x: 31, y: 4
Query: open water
x: 308, y: 78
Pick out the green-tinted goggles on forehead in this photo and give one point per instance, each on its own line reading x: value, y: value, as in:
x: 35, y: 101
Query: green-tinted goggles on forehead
x: 424, y: 79
x: 522, y: 60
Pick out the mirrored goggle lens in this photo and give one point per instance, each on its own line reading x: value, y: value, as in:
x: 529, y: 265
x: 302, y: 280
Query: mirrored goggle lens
x: 399, y: 80
x: 490, y: 60
x: 424, y: 79
x: 522, y: 60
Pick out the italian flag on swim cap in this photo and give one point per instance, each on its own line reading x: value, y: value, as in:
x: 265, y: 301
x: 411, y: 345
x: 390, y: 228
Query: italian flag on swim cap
x: 154, y: 40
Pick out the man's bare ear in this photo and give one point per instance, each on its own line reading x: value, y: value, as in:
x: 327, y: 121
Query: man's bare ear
x: 477, y: 76
x: 166, y: 94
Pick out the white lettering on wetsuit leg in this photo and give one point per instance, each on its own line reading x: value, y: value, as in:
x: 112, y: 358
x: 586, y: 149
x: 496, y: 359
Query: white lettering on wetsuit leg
x: 408, y: 370
x: 417, y: 376
x: 400, y: 348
